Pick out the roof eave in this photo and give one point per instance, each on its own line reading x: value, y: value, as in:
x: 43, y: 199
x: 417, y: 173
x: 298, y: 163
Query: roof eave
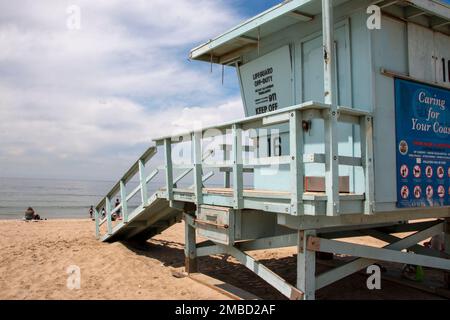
x: 251, y: 24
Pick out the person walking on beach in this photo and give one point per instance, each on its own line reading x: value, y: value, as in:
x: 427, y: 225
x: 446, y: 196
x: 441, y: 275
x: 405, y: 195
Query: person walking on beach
x: 118, y: 211
x: 91, y: 212
x: 103, y: 213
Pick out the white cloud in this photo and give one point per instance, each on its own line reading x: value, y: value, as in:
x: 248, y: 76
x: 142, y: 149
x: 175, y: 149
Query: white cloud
x: 84, y: 103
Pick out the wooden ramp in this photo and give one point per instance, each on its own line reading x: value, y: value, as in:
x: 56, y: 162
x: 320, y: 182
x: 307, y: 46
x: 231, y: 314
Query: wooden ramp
x: 145, y: 222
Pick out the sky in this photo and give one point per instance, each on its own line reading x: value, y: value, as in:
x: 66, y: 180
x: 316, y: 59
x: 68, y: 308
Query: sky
x: 84, y: 103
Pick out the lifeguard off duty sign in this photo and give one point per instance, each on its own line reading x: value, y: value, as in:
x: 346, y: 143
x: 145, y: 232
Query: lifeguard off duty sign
x: 423, y: 144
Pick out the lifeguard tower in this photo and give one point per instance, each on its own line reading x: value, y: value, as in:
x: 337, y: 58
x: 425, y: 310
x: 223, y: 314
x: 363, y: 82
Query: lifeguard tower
x: 347, y: 133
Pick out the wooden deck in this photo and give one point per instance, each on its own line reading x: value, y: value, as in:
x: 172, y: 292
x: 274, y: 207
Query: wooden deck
x: 269, y: 194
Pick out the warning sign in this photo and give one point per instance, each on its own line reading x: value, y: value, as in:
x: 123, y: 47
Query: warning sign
x: 423, y: 144
x: 266, y: 82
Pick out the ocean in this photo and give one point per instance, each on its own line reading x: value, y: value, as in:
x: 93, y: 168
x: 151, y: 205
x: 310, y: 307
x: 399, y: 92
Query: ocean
x: 52, y: 199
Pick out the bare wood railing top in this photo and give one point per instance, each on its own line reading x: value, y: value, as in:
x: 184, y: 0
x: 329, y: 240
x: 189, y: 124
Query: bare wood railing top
x: 311, y: 105
x: 145, y: 157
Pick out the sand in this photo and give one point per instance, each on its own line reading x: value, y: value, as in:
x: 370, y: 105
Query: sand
x: 34, y: 258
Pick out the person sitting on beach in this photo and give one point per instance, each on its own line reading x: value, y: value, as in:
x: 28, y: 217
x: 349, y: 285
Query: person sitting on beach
x: 30, y: 214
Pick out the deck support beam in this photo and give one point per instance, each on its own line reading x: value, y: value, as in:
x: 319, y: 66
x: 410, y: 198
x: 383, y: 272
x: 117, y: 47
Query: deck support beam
x: 210, y: 251
x: 306, y: 265
x: 264, y: 273
x: 351, y: 267
x: 283, y: 241
x: 370, y: 255
x: 190, y: 247
x: 308, y: 244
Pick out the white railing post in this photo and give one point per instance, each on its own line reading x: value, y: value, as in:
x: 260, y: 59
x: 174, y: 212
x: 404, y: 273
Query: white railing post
x: 97, y: 223
x: 143, y: 182
x: 331, y: 163
x: 297, y: 168
x: 227, y: 174
x: 198, y: 175
x: 123, y: 195
x: 306, y: 266
x: 108, y: 214
x: 169, y: 168
x: 331, y: 119
x: 365, y: 128
x: 238, y: 179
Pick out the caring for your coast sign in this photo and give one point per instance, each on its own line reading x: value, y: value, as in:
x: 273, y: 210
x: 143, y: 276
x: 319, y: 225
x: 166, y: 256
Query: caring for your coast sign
x: 423, y: 144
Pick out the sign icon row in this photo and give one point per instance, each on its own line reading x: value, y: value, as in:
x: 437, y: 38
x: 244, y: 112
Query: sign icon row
x: 429, y: 191
x: 429, y: 172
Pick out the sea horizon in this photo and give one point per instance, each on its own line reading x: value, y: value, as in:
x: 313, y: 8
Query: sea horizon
x: 52, y: 198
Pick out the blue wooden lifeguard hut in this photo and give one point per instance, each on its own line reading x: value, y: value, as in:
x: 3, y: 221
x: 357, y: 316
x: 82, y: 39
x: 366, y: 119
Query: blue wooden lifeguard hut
x: 347, y: 133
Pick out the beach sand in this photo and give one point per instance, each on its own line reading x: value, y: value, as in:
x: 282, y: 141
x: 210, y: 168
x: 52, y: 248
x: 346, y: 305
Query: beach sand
x: 34, y: 258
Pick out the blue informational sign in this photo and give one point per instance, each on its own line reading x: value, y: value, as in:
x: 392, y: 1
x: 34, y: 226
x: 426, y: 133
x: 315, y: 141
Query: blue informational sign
x: 423, y: 144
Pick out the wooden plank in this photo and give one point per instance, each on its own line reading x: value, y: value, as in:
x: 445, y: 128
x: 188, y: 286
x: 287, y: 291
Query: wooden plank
x: 269, y: 242
x: 226, y: 289
x: 257, y: 193
x: 268, y: 161
x: 276, y: 119
x: 317, y: 184
x: 343, y: 160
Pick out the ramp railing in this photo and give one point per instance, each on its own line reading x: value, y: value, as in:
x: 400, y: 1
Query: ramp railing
x: 104, y: 212
x: 238, y: 162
